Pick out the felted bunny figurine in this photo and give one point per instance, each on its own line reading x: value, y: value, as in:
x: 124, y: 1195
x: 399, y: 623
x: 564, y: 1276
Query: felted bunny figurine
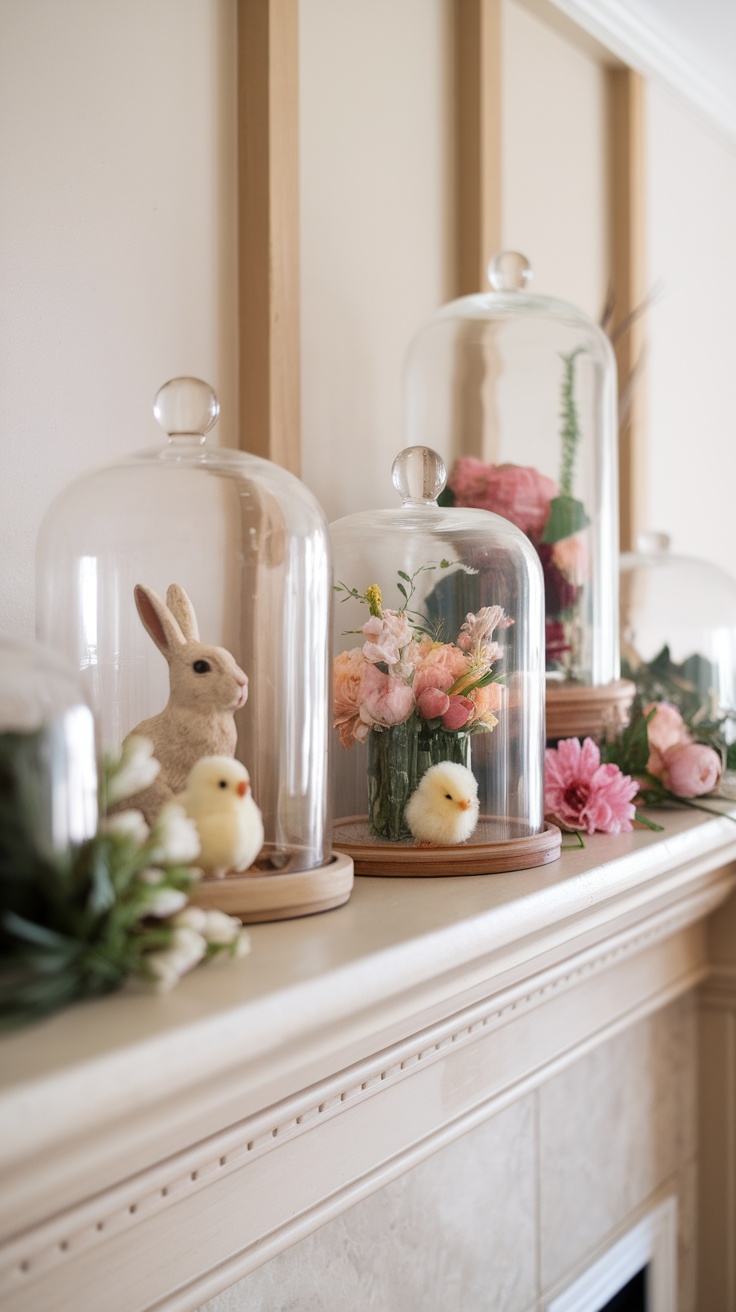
x: 207, y: 687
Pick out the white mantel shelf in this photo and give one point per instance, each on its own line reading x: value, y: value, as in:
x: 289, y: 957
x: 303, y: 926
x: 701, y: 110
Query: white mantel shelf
x: 155, y: 1149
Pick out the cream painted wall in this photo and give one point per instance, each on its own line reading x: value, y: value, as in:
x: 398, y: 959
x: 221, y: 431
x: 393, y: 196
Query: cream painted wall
x: 690, y: 467
x: 117, y: 240
x: 376, y: 197
x: 554, y: 204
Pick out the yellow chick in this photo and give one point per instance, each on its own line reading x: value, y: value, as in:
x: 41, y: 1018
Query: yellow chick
x: 218, y: 799
x: 444, y: 808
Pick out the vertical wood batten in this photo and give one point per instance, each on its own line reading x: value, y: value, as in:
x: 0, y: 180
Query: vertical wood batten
x: 478, y: 139
x: 268, y: 229
x: 628, y: 281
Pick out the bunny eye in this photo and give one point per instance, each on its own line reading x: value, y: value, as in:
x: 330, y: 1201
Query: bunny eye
x: 223, y: 783
x: 201, y: 667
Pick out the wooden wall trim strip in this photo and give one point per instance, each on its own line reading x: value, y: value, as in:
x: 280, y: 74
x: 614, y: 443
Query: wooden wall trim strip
x: 268, y: 229
x: 629, y: 289
x: 478, y: 139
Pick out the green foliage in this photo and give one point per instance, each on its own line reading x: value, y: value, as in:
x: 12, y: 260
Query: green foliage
x: 566, y: 517
x: 570, y: 432
x: 688, y: 687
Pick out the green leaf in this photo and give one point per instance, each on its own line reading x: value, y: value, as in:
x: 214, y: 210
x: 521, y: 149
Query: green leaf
x: 404, y: 576
x: 566, y: 518
x: 402, y: 590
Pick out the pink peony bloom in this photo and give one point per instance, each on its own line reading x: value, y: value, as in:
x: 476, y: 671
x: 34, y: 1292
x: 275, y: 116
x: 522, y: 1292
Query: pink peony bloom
x: 386, y: 699
x: 432, y: 703
x: 386, y: 637
x: 691, y: 769
x: 458, y: 712
x: 518, y: 492
x: 665, y: 730
x: 570, y: 555
x: 438, y: 666
x: 347, y: 682
x: 580, y: 793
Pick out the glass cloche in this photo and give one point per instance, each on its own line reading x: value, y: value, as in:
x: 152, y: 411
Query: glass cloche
x: 48, y: 774
x: 518, y: 392
x: 678, y: 633
x: 221, y: 561
x: 438, y: 686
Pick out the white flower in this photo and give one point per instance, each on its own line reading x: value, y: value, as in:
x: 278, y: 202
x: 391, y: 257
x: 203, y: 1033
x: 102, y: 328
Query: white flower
x: 242, y: 943
x: 220, y: 928
x: 135, y: 771
x: 151, y: 875
x: 164, y: 902
x: 163, y: 969
x: 175, y: 836
x: 129, y: 824
x: 191, y: 918
x: 188, y: 947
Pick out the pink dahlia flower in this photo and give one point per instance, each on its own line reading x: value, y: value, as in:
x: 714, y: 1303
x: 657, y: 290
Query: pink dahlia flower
x: 518, y: 492
x: 580, y: 793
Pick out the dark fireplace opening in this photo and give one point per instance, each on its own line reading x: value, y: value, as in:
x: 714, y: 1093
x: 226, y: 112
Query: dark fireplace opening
x: 633, y: 1296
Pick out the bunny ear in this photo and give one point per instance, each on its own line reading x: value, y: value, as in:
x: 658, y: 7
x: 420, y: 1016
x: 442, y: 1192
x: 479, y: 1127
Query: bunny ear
x: 183, y: 611
x: 158, y: 621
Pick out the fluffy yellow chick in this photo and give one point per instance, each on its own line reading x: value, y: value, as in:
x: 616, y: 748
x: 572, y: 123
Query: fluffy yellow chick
x: 218, y: 799
x: 444, y: 808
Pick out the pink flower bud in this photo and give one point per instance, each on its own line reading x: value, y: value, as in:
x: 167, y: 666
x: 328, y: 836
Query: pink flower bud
x: 432, y: 703
x: 691, y: 769
x: 458, y: 713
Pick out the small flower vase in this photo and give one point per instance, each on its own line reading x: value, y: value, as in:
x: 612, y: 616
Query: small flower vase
x: 399, y: 756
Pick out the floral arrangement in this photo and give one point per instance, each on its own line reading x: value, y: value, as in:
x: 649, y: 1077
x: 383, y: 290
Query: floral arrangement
x: 414, y: 699
x: 688, y: 687
x: 656, y: 759
x: 550, y: 515
x: 112, y: 909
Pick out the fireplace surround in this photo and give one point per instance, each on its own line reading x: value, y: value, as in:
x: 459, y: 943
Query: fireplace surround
x: 467, y: 1090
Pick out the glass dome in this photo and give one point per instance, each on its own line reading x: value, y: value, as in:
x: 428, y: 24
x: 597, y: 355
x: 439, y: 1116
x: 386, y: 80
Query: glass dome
x: 246, y: 544
x: 518, y: 392
x: 678, y: 632
x: 439, y: 657
x: 47, y: 746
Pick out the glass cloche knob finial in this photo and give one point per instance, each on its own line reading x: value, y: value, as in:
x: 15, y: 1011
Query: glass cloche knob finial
x: 186, y: 407
x: 419, y: 475
x: 509, y: 272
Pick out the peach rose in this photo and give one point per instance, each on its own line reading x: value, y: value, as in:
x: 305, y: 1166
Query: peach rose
x: 439, y: 667
x: 432, y: 703
x: 571, y: 556
x: 691, y: 769
x: 347, y: 682
x: 485, y: 702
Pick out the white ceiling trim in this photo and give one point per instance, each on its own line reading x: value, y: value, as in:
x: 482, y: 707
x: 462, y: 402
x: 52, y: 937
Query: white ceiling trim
x: 651, y: 52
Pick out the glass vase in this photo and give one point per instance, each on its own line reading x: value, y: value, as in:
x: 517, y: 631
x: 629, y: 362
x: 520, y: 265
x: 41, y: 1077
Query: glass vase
x: 399, y: 755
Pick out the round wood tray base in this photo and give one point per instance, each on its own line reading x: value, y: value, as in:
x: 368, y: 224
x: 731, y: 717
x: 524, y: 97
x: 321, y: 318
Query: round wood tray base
x: 375, y: 857
x: 259, y: 897
x: 577, y: 711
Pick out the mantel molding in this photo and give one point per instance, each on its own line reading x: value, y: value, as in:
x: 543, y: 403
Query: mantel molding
x: 273, y: 1171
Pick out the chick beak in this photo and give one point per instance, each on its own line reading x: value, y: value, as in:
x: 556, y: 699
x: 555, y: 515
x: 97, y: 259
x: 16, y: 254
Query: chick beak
x: 242, y: 788
x: 464, y: 805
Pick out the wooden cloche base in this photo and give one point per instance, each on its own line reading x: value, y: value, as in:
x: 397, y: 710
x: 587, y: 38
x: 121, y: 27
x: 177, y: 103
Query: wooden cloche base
x: 577, y: 711
x: 283, y: 896
x: 374, y: 857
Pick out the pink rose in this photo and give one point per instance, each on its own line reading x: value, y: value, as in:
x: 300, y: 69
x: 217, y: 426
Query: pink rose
x: 518, y: 492
x: 347, y: 680
x: 439, y: 667
x: 665, y: 730
x: 458, y: 712
x: 571, y: 556
x: 432, y: 703
x: 691, y: 769
x: 386, y: 699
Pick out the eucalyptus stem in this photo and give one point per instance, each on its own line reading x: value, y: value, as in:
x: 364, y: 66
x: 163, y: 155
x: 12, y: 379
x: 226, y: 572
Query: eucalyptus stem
x: 570, y: 433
